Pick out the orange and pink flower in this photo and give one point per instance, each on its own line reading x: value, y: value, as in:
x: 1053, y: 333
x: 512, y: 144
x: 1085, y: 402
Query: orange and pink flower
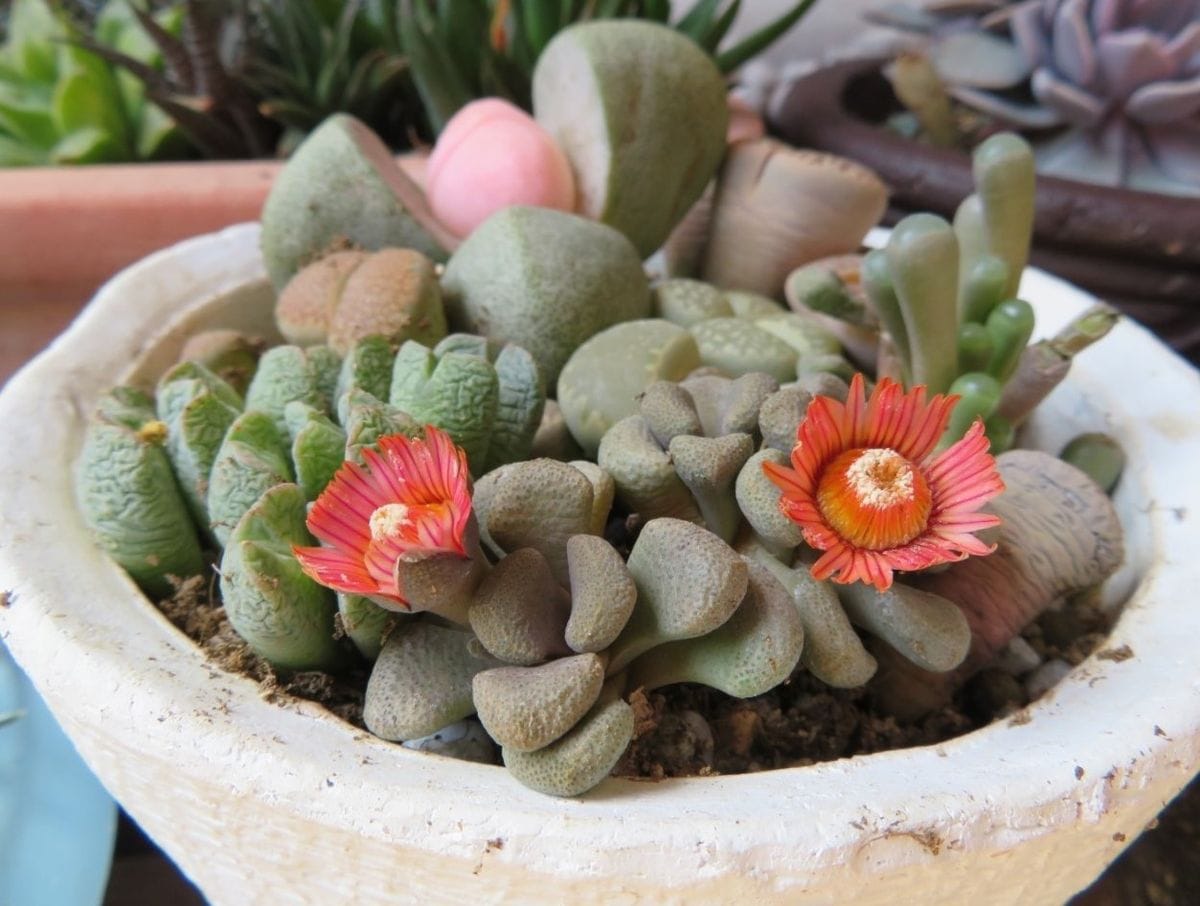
x: 866, y: 488
x: 409, y: 498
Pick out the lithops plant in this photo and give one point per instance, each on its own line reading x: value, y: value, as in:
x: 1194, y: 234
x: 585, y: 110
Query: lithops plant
x: 342, y: 189
x: 698, y: 325
x: 349, y: 296
x: 777, y: 208
x: 641, y: 158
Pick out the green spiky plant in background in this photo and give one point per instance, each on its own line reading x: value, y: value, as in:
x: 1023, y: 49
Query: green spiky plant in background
x: 61, y: 103
x: 463, y: 49
x: 90, y: 82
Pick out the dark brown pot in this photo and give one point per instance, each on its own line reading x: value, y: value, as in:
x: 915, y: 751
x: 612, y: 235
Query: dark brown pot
x: 1137, y: 250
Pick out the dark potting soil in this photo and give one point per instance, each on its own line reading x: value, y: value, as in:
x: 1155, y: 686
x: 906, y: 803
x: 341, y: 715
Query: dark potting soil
x: 687, y: 729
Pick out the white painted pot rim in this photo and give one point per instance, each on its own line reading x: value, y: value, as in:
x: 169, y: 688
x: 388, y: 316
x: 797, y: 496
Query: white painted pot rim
x: 195, y: 754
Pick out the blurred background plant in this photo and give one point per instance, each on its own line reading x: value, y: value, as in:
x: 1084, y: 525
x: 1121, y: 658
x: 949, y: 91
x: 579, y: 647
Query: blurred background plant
x: 1108, y: 90
x: 90, y: 81
x: 61, y: 104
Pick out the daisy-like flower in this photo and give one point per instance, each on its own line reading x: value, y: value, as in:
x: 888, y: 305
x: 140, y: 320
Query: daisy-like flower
x: 866, y: 489
x: 408, y: 500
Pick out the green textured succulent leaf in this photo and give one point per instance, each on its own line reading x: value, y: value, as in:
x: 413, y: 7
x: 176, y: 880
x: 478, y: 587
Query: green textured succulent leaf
x: 519, y: 406
x: 197, y: 407
x: 290, y: 374
x: 366, y: 623
x: 458, y: 393
x: 279, y: 611
x: 252, y: 458
x: 318, y: 447
x: 366, y: 419
x: 132, y: 504
x: 126, y: 406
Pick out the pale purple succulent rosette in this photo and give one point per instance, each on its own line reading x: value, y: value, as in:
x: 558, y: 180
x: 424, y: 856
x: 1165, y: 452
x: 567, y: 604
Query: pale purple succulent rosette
x: 1117, y: 80
x: 1126, y: 75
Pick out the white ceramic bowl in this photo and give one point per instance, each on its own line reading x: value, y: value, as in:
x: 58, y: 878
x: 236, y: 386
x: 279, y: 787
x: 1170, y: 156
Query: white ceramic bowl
x: 268, y: 803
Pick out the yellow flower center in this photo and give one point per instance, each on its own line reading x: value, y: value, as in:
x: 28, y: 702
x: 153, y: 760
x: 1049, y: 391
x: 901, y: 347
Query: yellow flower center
x: 875, y: 498
x: 388, y: 520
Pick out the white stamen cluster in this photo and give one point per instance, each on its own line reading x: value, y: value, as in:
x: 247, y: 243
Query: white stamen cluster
x: 387, y: 520
x: 881, y: 478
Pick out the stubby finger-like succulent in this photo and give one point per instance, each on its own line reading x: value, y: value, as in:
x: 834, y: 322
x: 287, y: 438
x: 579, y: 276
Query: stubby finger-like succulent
x: 940, y: 299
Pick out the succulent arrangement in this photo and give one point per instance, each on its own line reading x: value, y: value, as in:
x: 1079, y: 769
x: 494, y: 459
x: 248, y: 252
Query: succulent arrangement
x: 712, y: 494
x: 1110, y: 89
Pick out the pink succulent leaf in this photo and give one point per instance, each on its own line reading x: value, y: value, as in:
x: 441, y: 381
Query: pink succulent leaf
x: 1130, y: 59
x: 1184, y: 49
x: 1072, y: 103
x: 1105, y: 16
x: 1175, y: 149
x: 1029, y: 33
x: 1074, y: 53
x: 1165, y: 102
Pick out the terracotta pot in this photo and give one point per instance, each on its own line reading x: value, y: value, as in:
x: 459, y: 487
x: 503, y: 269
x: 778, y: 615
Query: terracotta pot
x: 64, y: 230
x: 262, y: 802
x: 1138, y: 250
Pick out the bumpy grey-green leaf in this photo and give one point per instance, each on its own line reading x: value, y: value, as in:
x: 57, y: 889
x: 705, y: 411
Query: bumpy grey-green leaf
x: 603, y: 593
x: 754, y: 651
x: 340, y: 188
x: 689, y: 582
x: 728, y: 406
x: 578, y: 761
x: 669, y: 411
x: 927, y: 629
x: 252, y: 458
x: 520, y: 611
x: 281, y: 613
x: 643, y: 472
x: 366, y: 419
x: 132, y: 505
x: 527, y: 708
x: 367, y: 366
x: 457, y: 392
x: 758, y: 500
x: 197, y: 407
x: 365, y: 623
x: 421, y: 680
x: 290, y: 374
x: 709, y: 466
x: 780, y: 415
x: 539, y: 504
x: 318, y: 447
x: 833, y: 652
